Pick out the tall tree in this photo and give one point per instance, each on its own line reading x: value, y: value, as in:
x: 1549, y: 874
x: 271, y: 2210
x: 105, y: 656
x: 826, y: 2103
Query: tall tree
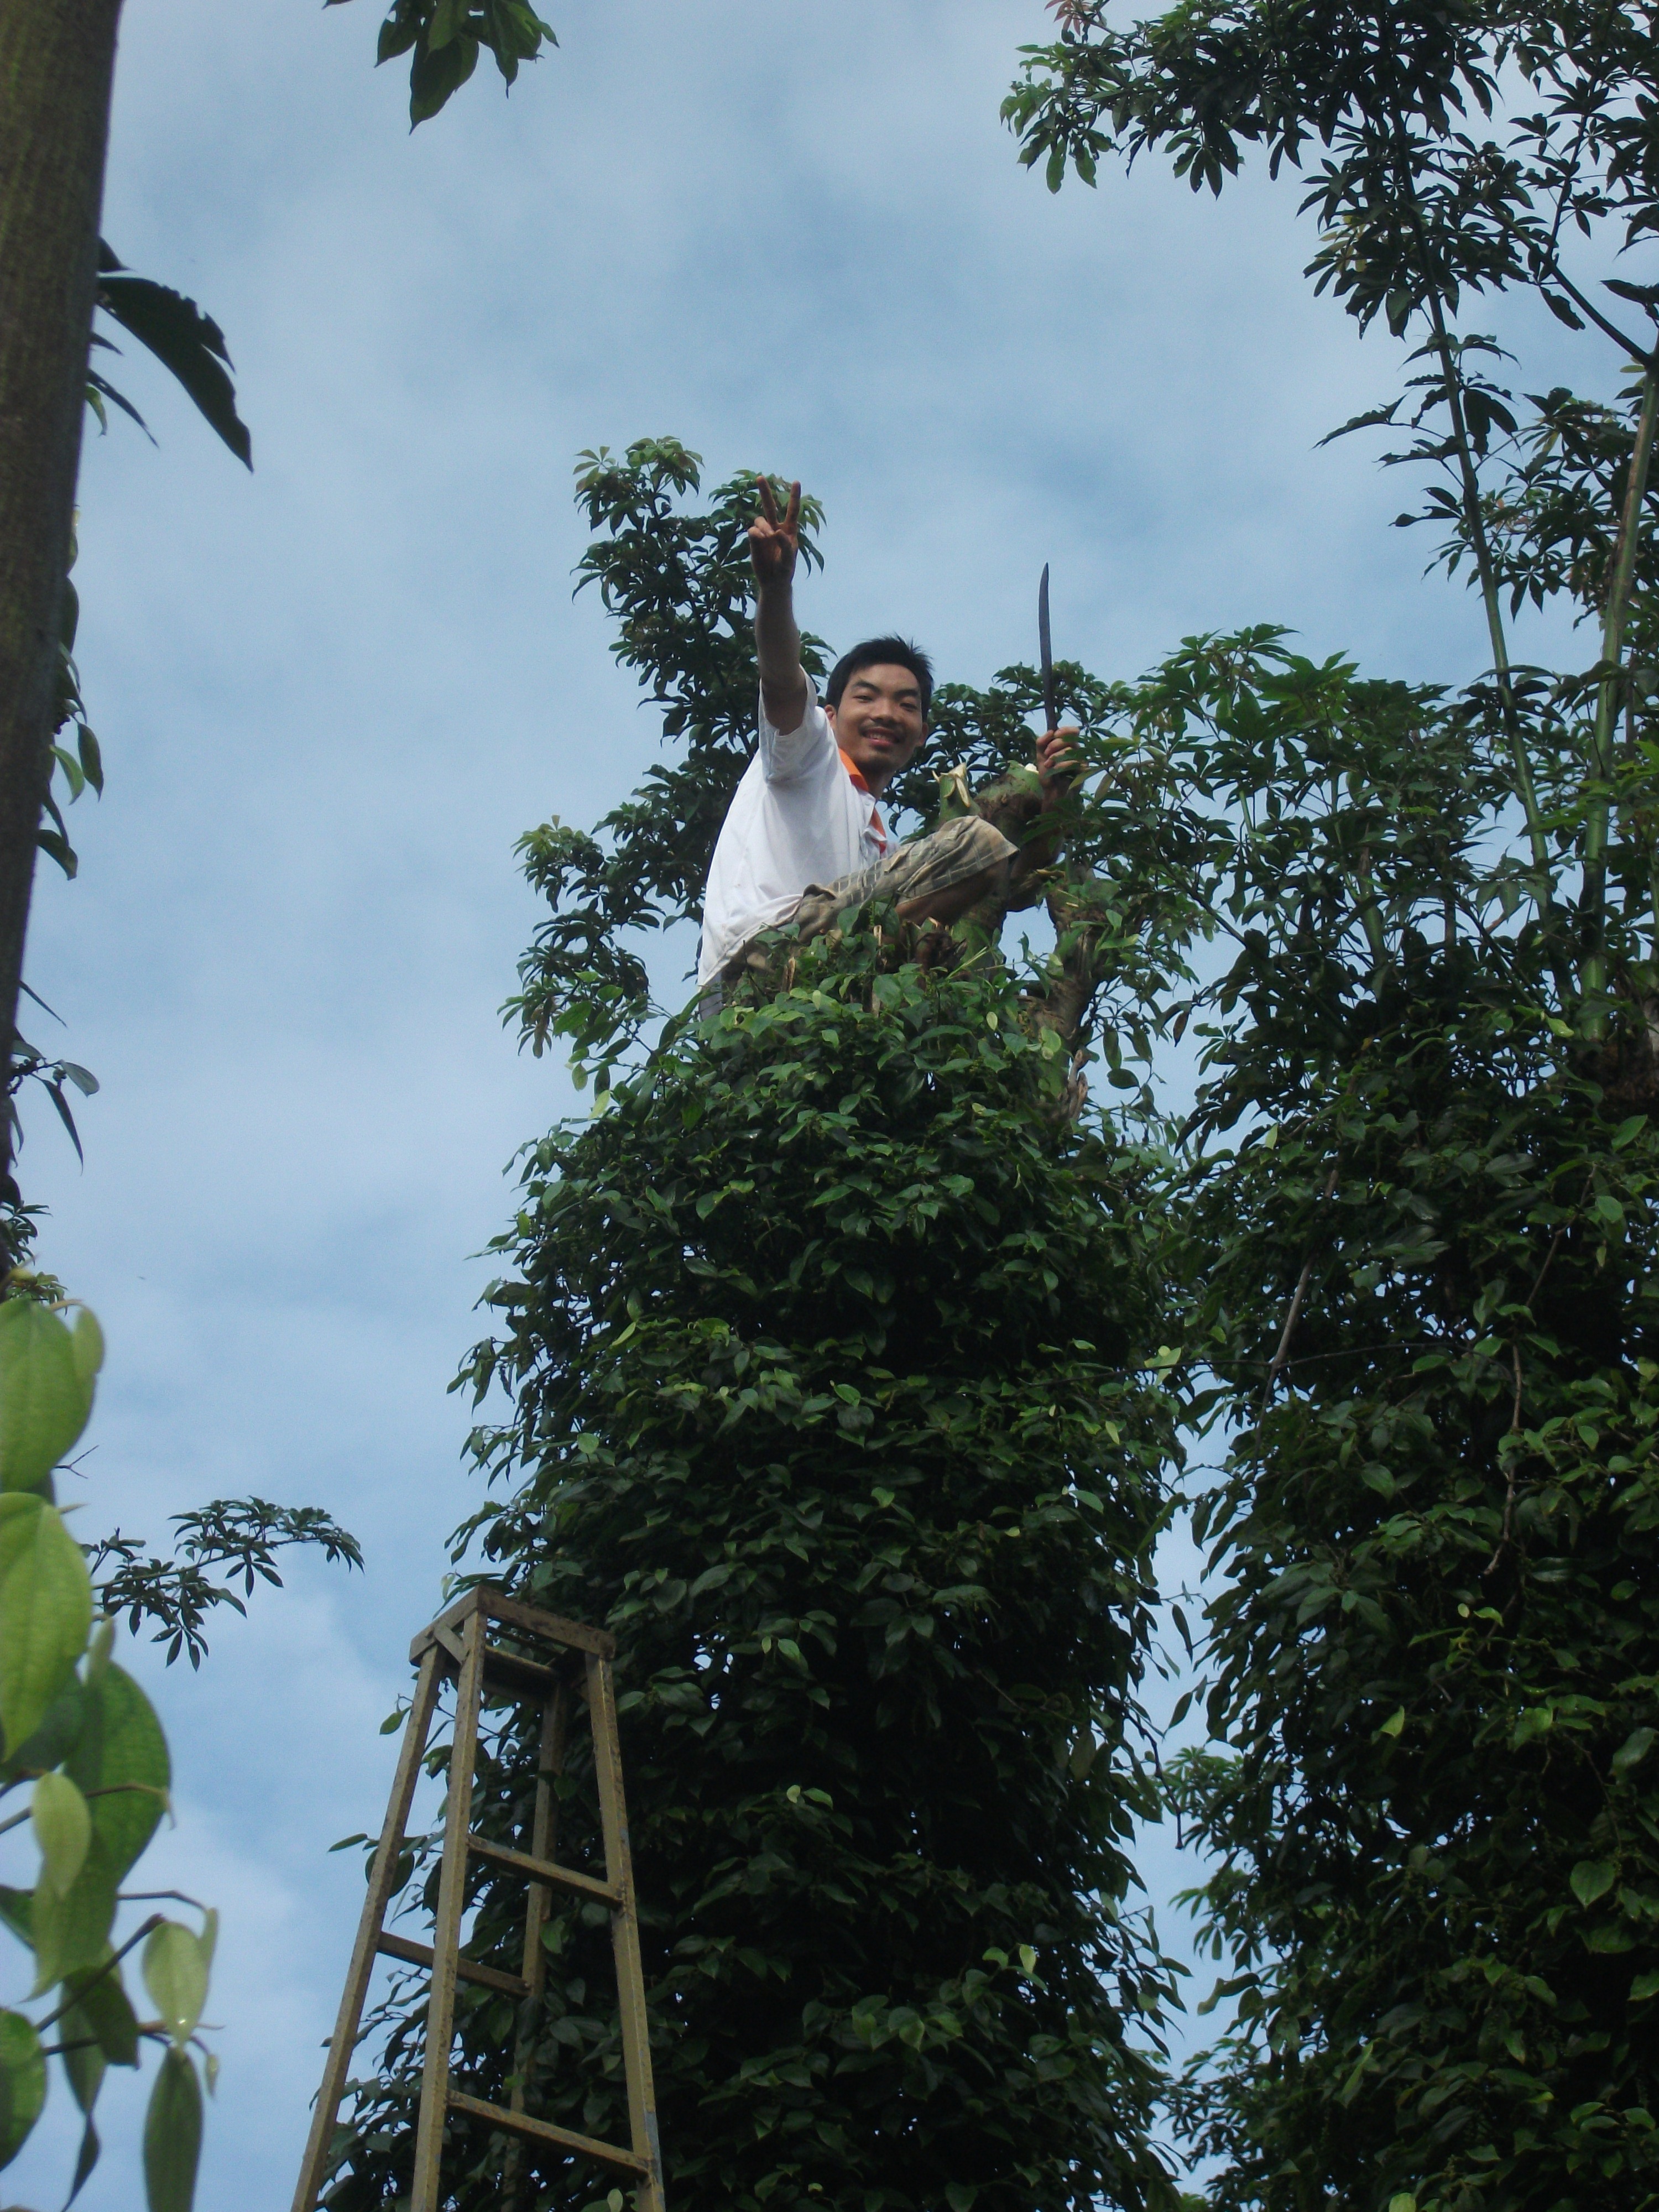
x: 833, y: 1348
x: 57, y: 67
x: 1420, y: 1269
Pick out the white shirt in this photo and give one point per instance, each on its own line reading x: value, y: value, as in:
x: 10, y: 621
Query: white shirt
x: 799, y: 816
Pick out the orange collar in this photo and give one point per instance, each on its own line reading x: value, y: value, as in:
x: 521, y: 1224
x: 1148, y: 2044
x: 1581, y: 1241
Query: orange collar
x: 856, y: 773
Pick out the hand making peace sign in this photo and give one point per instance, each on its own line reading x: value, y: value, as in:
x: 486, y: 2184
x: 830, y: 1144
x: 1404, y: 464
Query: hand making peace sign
x: 774, y: 542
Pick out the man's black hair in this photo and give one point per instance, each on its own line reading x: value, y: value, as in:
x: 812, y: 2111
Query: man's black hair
x: 881, y: 653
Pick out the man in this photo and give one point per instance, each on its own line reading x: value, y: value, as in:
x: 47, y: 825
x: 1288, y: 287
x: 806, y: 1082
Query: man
x: 804, y: 838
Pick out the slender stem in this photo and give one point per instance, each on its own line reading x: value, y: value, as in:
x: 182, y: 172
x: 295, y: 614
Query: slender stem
x: 1282, y: 1354
x: 1614, y: 620
x: 1370, y: 919
x: 108, y: 1967
x: 1589, y: 309
x: 1475, y: 522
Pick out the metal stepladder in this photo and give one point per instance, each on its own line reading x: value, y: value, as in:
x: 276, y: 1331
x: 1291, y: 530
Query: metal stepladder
x: 458, y: 1645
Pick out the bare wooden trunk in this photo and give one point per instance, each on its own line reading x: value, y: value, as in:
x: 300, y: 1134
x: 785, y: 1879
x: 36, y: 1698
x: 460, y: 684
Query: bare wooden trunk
x: 56, y: 62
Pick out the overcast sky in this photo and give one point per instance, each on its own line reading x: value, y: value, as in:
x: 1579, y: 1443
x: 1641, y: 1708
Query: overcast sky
x: 333, y: 694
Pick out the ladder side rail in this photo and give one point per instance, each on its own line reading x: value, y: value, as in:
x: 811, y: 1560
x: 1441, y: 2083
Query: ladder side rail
x: 382, y: 1875
x: 539, y: 1903
x: 625, y: 1932
x: 446, y: 1930
x: 544, y: 1833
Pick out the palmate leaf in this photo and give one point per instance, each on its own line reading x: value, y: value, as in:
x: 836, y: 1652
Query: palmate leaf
x: 240, y: 1534
x: 183, y: 339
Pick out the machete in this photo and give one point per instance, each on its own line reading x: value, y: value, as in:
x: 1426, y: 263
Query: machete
x: 1051, y: 703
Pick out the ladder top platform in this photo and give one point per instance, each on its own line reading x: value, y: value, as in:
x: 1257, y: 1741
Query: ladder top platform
x: 521, y: 1619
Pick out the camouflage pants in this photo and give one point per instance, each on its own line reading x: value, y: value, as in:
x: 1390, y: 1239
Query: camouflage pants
x: 963, y: 848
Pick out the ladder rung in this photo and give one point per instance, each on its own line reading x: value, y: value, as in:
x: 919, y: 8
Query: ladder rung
x: 420, y: 1954
x: 556, y: 1877
x: 529, y: 1672
x: 544, y: 2131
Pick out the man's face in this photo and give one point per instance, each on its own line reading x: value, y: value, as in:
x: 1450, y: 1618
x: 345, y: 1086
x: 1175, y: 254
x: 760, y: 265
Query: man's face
x: 879, y: 724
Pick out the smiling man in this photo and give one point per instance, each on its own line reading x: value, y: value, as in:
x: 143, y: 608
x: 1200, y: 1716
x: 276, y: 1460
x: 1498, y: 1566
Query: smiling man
x: 804, y: 839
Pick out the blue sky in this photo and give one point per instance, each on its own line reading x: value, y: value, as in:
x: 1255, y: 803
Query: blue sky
x: 333, y: 694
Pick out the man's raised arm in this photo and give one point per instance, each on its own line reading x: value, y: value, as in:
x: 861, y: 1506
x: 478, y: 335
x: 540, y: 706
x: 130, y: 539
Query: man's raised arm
x: 774, y: 542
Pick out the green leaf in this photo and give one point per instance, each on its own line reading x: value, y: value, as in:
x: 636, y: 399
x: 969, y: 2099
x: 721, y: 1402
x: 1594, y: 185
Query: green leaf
x: 92, y: 759
x: 172, y: 2135
x: 960, y: 2196
x: 1593, y: 1878
x: 46, y: 1392
x: 63, y: 1829
x: 45, y: 1610
x: 398, y: 35
x: 123, y: 1755
x: 58, y: 848
x: 1633, y: 1750
x: 86, y: 1338
x: 71, y: 1932
x: 86, y: 2159
x: 433, y: 77
x: 22, y: 2083
x: 1645, y: 1986
x: 120, y: 1765
x: 176, y: 1963
x: 52, y: 1741
x: 102, y: 2001
x: 183, y: 340
x: 84, y: 2061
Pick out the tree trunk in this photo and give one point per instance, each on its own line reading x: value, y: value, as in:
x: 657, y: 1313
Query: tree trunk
x: 57, y: 61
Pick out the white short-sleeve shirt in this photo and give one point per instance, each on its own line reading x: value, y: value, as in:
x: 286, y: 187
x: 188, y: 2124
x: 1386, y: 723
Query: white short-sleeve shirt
x: 802, y: 814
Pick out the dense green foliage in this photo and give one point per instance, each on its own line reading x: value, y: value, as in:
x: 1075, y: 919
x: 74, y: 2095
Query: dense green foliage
x: 853, y: 1552
x: 835, y: 1350
x: 1434, y: 1661
x: 1419, y: 1266
x: 1436, y: 1665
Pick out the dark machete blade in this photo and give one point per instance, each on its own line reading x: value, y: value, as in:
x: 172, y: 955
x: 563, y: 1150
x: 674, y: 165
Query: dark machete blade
x: 1050, y: 704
